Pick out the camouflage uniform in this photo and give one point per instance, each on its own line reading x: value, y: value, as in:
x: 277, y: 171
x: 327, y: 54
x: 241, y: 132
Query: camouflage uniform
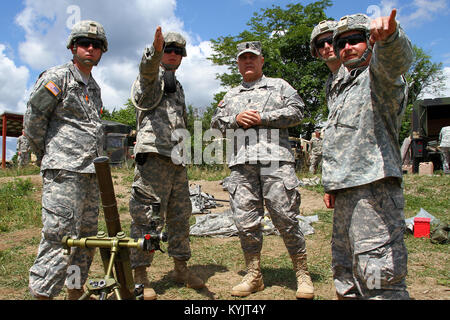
x: 332, y: 85
x: 158, y: 179
x: 252, y: 182
x: 362, y: 167
x: 62, y: 123
x: 316, y: 154
x: 23, y: 147
x: 444, y: 146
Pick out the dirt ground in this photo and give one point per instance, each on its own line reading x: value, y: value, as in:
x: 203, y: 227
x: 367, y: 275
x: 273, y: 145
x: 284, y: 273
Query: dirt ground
x: 222, y: 280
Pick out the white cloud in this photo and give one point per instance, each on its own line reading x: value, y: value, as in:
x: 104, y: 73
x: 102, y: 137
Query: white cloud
x: 129, y: 28
x: 13, y: 84
x: 415, y: 13
x: 198, y: 75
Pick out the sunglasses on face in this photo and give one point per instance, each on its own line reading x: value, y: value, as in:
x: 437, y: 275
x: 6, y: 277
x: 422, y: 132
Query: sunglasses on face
x: 86, y: 43
x: 321, y: 43
x: 177, y: 50
x: 351, y: 40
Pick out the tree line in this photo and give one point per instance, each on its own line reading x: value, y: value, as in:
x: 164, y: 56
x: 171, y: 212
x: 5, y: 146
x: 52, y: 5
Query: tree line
x: 285, y: 37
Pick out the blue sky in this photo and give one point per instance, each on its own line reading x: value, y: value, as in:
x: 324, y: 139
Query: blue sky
x: 34, y: 34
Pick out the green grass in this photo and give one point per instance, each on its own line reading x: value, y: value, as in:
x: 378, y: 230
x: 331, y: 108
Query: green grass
x: 15, y: 171
x: 18, y: 209
x: 428, y: 263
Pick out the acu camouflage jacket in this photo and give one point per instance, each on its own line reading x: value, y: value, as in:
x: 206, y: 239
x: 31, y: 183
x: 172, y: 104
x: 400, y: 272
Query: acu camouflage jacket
x: 158, y: 113
x: 360, y: 142
x: 62, y: 121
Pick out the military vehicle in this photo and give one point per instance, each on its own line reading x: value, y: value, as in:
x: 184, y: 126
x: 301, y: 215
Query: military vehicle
x: 118, y: 137
x: 429, y: 116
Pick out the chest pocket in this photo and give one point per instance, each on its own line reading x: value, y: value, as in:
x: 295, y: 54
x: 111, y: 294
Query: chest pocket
x: 349, y: 110
x: 262, y: 99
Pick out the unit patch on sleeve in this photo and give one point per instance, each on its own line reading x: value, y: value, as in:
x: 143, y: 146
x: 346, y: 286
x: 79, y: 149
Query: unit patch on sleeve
x: 53, y: 88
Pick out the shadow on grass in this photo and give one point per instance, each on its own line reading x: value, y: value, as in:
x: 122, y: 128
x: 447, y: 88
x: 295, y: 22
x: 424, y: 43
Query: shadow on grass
x: 203, y: 271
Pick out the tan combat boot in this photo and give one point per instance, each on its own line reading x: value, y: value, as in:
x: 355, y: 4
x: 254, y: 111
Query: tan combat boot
x: 140, y: 277
x: 305, y: 288
x: 252, y: 281
x: 74, y: 294
x: 183, y: 275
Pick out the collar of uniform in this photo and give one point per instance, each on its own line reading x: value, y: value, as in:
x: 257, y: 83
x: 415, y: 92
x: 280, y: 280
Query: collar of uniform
x: 260, y: 83
x: 76, y: 73
x: 354, y: 73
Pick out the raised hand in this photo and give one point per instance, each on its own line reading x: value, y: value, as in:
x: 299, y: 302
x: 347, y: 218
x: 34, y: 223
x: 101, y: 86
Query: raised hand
x: 381, y: 28
x: 158, y: 41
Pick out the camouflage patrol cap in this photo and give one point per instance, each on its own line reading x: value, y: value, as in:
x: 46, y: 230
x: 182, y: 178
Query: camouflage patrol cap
x: 323, y: 27
x: 88, y: 29
x: 249, y: 46
x: 176, y: 39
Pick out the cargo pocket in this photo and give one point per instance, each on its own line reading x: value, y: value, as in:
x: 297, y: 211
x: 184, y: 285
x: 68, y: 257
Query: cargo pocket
x: 293, y: 198
x: 37, y: 271
x: 57, y: 221
x: 384, y: 267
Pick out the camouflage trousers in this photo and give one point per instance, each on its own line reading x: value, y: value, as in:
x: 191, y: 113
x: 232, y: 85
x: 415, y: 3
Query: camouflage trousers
x: 445, y: 152
x: 70, y: 204
x: 159, y: 180
x: 23, y: 159
x: 315, y: 160
x: 250, y: 187
x: 369, y: 256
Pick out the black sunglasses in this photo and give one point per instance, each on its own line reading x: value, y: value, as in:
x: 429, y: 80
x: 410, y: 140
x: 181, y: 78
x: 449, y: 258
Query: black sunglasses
x: 321, y: 43
x: 87, y: 42
x: 177, y: 50
x: 352, y: 40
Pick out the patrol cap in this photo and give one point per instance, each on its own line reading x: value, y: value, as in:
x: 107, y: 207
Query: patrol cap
x: 323, y: 27
x: 175, y: 39
x: 88, y: 29
x: 249, y: 46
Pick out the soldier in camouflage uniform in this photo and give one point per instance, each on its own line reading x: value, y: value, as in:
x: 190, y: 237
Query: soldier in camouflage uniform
x: 444, y: 147
x: 361, y: 171
x: 316, y: 152
x: 160, y: 174
x: 62, y: 123
x: 321, y: 47
x: 263, y: 172
x: 23, y: 151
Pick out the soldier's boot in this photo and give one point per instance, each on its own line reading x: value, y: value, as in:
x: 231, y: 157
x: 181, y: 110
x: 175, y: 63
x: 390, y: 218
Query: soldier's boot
x: 252, y: 281
x: 39, y: 297
x: 183, y: 275
x: 140, y: 277
x: 74, y: 294
x: 305, y: 288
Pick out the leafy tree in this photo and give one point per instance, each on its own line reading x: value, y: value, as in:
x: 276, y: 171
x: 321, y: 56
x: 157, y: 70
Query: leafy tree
x: 126, y: 115
x: 285, y: 35
x: 423, y: 76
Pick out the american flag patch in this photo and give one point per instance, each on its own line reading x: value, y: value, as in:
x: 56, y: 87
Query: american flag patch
x: 53, y: 88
